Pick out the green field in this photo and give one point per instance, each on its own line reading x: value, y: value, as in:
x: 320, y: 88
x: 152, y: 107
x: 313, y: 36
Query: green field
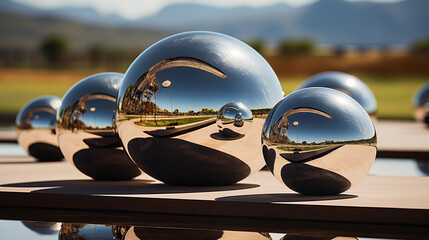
x: 393, y: 94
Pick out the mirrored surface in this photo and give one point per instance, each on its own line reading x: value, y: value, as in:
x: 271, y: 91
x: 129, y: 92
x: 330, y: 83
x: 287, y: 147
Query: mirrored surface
x: 169, y: 101
x: 319, y: 141
x: 421, y: 103
x: 65, y: 231
x: 85, y: 129
x: 35, y: 124
x: 347, y: 84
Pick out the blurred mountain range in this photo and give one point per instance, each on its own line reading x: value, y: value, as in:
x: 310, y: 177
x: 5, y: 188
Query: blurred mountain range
x: 326, y: 21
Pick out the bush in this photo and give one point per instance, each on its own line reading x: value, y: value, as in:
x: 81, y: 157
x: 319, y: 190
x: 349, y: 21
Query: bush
x: 297, y: 47
x: 420, y: 45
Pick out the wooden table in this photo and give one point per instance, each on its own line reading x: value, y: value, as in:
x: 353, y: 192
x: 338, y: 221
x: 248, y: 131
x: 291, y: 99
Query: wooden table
x: 378, y: 207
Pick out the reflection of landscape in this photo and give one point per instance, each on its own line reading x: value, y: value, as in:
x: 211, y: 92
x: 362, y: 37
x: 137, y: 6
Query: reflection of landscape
x: 141, y: 98
x: 83, y: 113
x: 279, y: 134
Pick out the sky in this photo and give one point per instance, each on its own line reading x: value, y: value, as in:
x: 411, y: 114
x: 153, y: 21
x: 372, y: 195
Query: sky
x: 134, y: 9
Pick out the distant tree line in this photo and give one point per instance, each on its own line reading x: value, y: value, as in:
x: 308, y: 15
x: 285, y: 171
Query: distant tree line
x: 56, y: 51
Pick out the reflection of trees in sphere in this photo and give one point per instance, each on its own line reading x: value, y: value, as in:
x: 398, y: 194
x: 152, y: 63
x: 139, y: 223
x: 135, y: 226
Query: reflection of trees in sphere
x: 330, y: 148
x: 35, y: 124
x: 91, y: 232
x: 421, y: 104
x: 168, y: 128
x: 345, y: 83
x: 85, y: 129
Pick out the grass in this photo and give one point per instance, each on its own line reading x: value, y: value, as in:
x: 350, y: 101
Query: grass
x: 17, y: 87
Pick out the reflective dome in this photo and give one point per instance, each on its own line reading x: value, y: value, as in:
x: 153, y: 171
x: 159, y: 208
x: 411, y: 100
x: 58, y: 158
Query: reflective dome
x: 319, y: 141
x: 234, y: 120
x: 347, y: 84
x: 169, y: 100
x: 85, y: 129
x: 35, y: 124
x: 421, y: 104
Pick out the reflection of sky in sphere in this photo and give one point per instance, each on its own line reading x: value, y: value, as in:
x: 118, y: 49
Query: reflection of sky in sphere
x: 43, y: 120
x: 99, y: 113
x: 194, y: 89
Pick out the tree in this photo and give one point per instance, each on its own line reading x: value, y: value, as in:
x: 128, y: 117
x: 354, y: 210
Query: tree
x: 258, y: 45
x: 421, y: 45
x: 297, y: 46
x: 54, y: 47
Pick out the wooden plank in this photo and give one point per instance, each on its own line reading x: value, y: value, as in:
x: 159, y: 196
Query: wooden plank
x: 377, y: 200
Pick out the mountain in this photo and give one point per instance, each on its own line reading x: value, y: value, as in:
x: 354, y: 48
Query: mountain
x: 26, y: 32
x: 327, y: 21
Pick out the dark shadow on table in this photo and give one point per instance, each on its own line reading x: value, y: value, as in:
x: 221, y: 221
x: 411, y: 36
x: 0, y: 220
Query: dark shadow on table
x: 283, y: 197
x: 87, y: 187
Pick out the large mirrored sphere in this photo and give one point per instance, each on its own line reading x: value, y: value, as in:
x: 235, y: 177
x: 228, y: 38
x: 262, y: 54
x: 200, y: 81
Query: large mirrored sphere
x: 85, y: 129
x: 319, y: 141
x: 421, y: 104
x: 169, y: 100
x: 35, y: 124
x: 347, y: 84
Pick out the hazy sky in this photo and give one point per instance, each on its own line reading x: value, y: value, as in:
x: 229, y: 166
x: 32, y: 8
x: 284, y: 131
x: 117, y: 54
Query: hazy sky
x: 133, y: 9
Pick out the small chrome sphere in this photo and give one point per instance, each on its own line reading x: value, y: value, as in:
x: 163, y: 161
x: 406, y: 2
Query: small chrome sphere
x: 234, y: 120
x: 35, y: 124
x: 319, y: 141
x: 347, y: 84
x: 85, y: 129
x: 169, y: 100
x: 421, y: 104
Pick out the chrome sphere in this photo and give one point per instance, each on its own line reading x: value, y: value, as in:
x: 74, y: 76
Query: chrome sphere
x: 135, y: 233
x: 347, y: 84
x: 169, y: 99
x: 234, y: 120
x: 421, y: 104
x: 85, y: 129
x: 319, y: 141
x: 35, y: 124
